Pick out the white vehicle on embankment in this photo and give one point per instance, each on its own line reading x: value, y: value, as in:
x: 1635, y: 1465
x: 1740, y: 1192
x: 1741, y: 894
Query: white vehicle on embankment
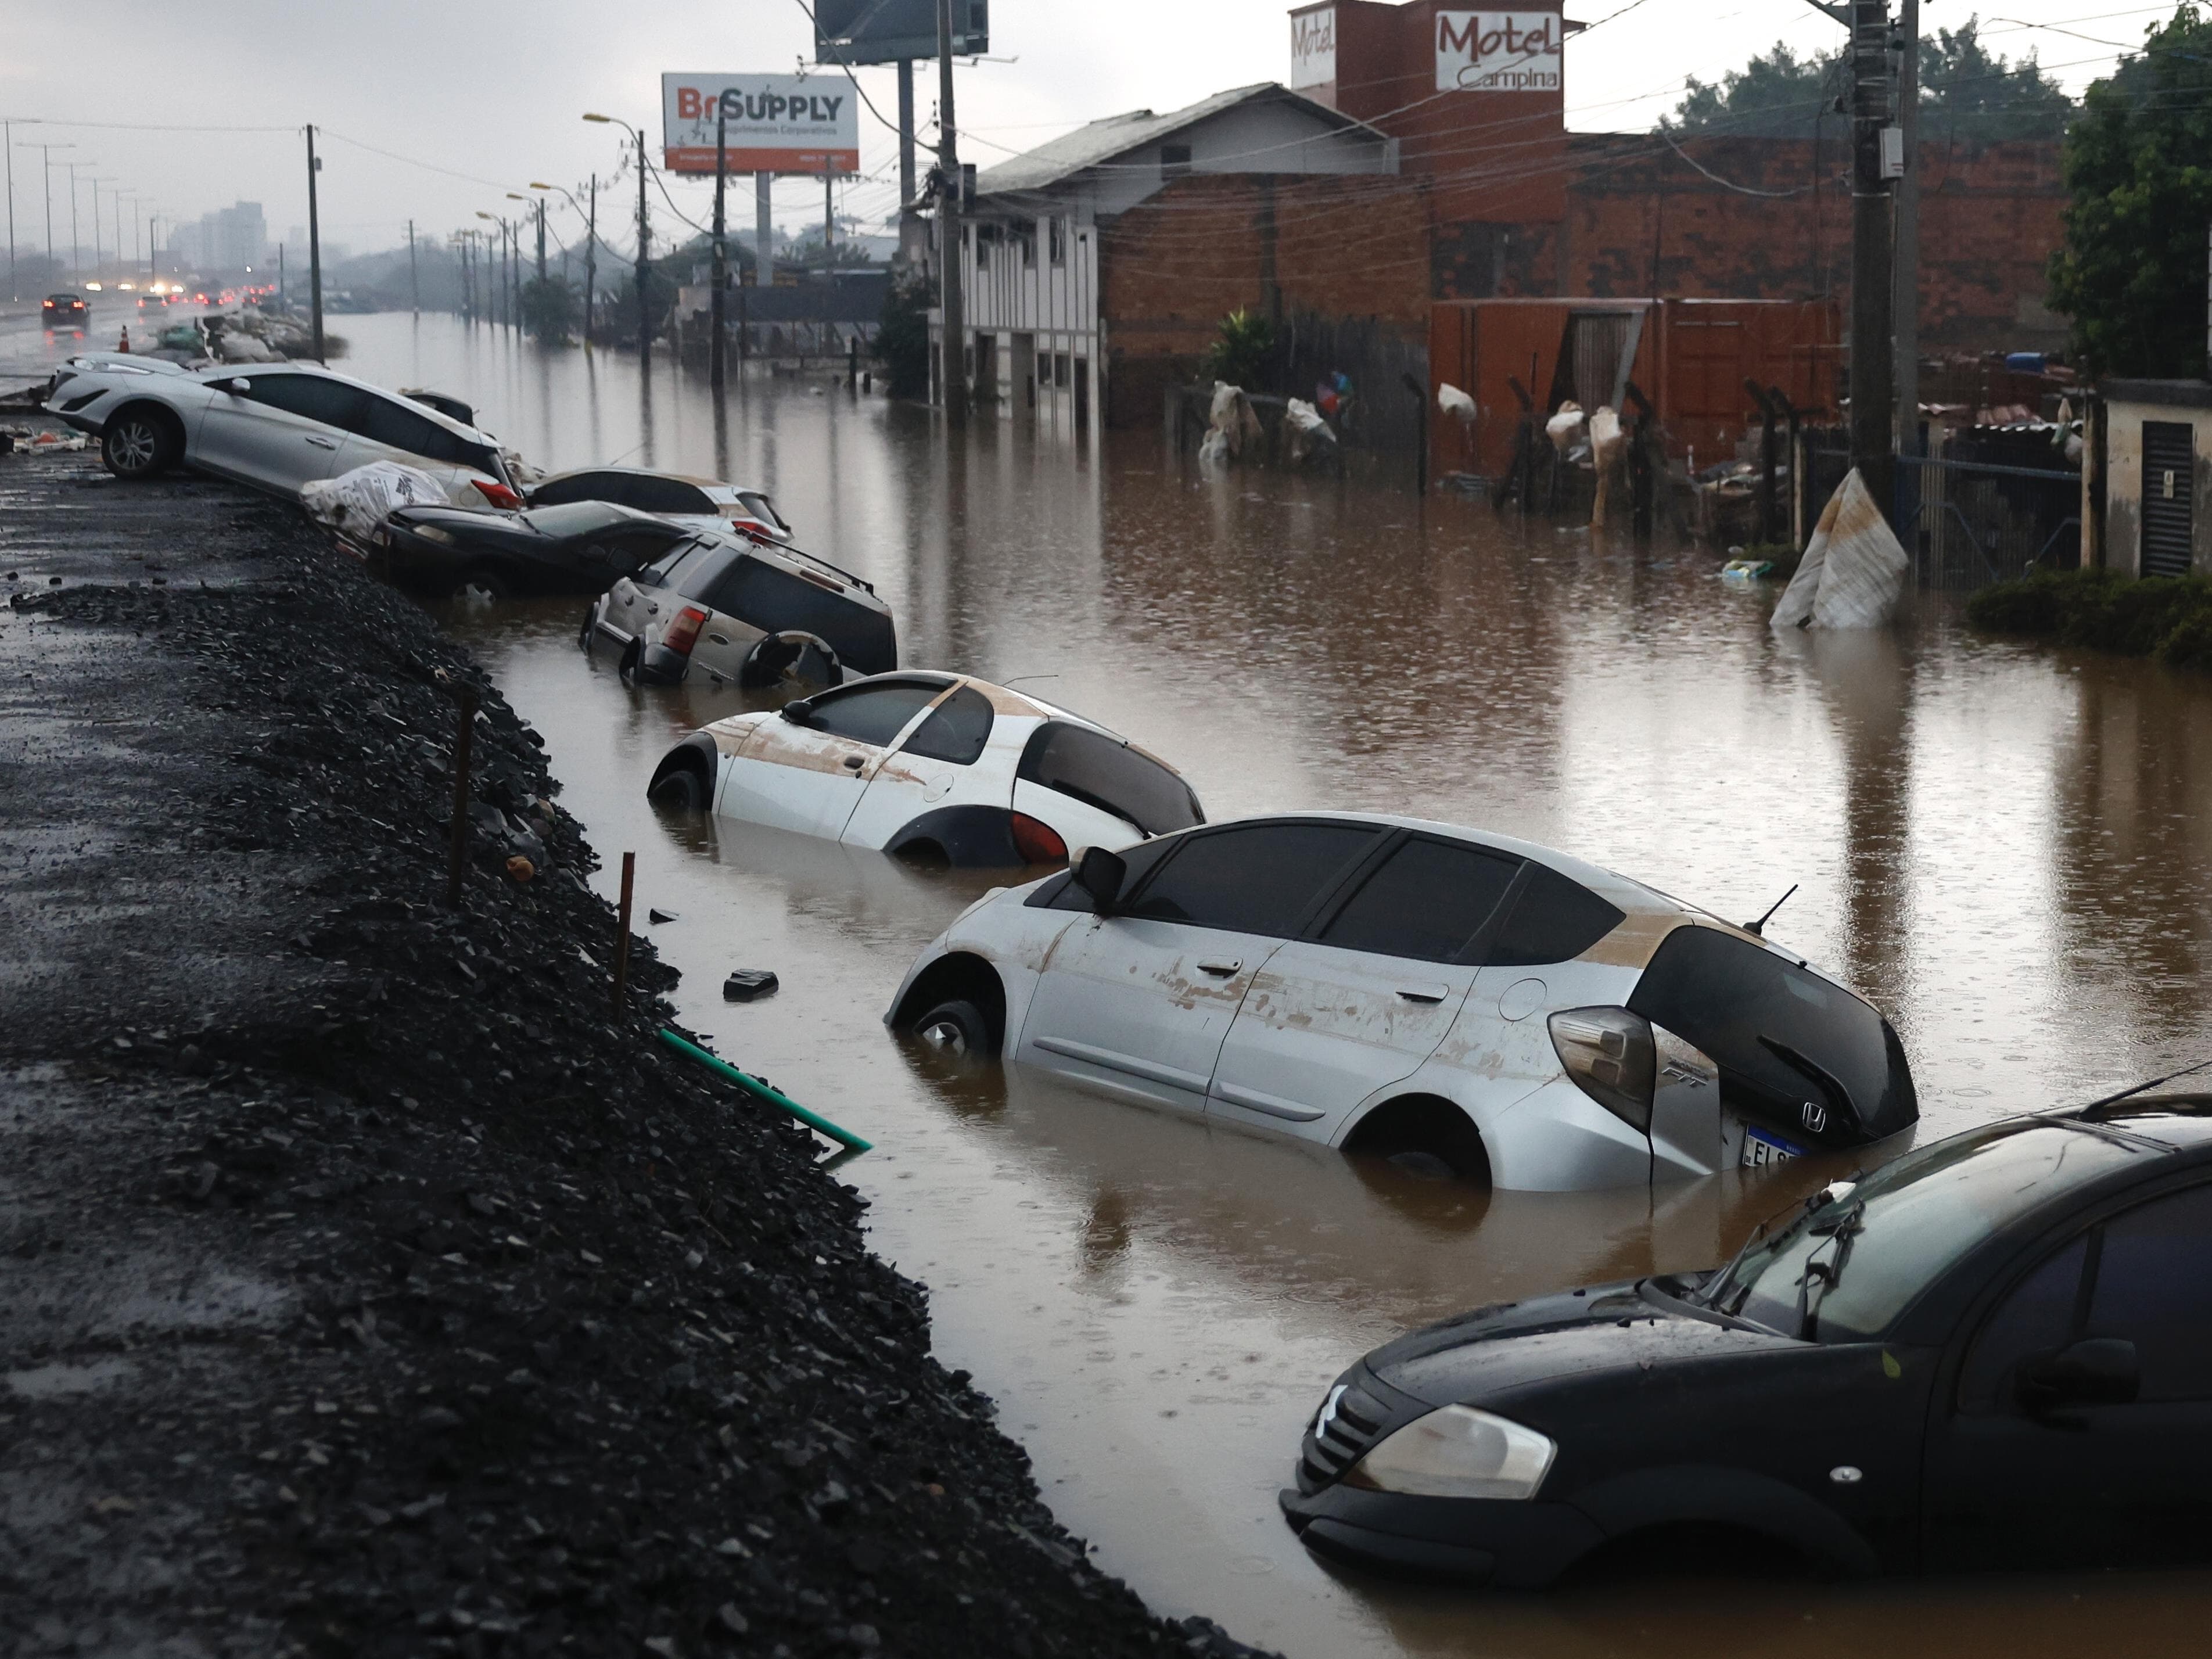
x: 1385, y: 984
x: 277, y: 427
x: 935, y: 766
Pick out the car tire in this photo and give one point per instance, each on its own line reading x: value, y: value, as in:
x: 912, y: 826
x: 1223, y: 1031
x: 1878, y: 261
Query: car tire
x: 682, y: 790
x: 484, y: 579
x: 957, y: 1029
x: 139, y: 444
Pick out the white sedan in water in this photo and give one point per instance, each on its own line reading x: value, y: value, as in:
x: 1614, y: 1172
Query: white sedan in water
x: 940, y: 766
x: 278, y: 427
x: 1418, y: 990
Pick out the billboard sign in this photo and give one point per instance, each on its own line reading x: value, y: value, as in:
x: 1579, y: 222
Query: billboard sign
x: 1500, y: 52
x: 1313, y: 47
x: 773, y: 123
x: 885, y: 31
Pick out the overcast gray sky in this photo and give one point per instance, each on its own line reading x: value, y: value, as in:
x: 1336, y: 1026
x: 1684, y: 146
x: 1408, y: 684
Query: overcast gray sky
x: 493, y: 89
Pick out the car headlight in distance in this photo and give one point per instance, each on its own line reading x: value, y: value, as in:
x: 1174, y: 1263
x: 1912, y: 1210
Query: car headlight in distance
x: 1456, y: 1452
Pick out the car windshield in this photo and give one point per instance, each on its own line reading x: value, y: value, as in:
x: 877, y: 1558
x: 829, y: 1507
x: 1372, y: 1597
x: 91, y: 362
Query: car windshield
x: 577, y: 519
x: 1857, y: 1257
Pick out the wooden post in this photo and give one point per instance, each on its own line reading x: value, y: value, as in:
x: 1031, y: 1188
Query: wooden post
x: 464, y: 703
x: 622, y: 932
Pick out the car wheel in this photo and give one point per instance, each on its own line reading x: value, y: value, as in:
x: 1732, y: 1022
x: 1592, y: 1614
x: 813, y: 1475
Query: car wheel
x: 139, y: 444
x: 956, y: 1027
x: 484, y: 584
x: 680, y: 791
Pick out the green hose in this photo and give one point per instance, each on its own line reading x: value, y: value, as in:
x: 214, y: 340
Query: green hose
x: 844, y: 1138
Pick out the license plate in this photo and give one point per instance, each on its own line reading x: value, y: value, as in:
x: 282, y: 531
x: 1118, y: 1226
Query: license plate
x: 1761, y: 1149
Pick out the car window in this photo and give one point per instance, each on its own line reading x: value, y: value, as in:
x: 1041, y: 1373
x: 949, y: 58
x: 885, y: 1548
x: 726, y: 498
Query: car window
x: 1791, y: 1046
x: 560, y: 492
x: 577, y: 519
x: 1906, y: 1225
x: 1137, y: 863
x: 332, y: 402
x: 1107, y: 774
x: 2152, y: 1285
x: 2036, y: 1318
x: 388, y: 422
x: 1259, y: 879
x: 650, y: 495
x: 1426, y: 901
x: 671, y: 569
x: 872, y: 714
x: 776, y: 601
x: 1556, y: 918
x: 955, y: 731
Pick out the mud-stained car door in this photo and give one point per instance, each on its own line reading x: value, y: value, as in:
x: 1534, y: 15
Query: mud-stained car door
x: 935, y: 765
x: 809, y: 776
x: 1138, y: 1003
x: 1362, y: 1003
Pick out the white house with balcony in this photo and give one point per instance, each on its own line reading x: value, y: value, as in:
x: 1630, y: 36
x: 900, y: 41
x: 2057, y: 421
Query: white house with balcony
x: 1030, y: 256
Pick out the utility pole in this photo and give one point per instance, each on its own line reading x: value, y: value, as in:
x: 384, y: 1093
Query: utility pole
x: 906, y: 155
x: 955, y: 347
x: 77, y: 247
x: 414, y: 272
x: 314, y: 245
x: 764, y: 230
x: 1907, y: 322
x: 7, y: 144
x: 541, y: 241
x: 46, y: 165
x: 829, y: 210
x: 591, y: 258
x: 1873, y: 276
x: 716, y: 305
x: 644, y: 257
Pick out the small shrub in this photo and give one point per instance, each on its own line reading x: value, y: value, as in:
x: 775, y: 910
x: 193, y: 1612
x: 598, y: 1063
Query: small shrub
x: 2167, y: 616
x: 2190, y: 646
x: 902, y: 335
x: 1240, y: 350
x: 2038, y: 604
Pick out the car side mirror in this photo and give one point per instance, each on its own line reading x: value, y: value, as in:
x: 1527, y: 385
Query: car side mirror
x: 799, y: 711
x: 2099, y: 1370
x: 1100, y: 875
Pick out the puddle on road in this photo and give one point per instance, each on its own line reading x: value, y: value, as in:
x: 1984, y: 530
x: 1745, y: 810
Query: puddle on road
x: 2004, y: 847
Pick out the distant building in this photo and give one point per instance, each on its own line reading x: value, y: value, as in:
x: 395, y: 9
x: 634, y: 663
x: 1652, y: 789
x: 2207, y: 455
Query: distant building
x: 232, y: 238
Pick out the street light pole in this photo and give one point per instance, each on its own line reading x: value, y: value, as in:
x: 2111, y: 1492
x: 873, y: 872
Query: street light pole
x: 8, y: 144
x: 414, y: 272
x: 47, y: 166
x: 591, y: 258
x: 76, y: 248
x: 644, y: 240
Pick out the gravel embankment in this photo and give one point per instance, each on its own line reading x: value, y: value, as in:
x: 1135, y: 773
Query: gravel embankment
x: 367, y: 1284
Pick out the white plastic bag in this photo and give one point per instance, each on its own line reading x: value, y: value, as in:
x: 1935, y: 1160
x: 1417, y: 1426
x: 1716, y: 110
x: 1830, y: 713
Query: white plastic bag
x: 1232, y: 419
x: 1607, y: 444
x: 1452, y: 401
x: 355, y: 503
x: 1310, y: 434
x: 1853, y: 571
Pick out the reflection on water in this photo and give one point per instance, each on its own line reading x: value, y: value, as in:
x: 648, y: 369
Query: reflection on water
x: 2001, y: 845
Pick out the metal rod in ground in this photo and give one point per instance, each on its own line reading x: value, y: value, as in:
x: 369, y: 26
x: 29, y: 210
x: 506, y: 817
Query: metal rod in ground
x: 464, y: 710
x: 753, y: 1086
x: 621, y: 932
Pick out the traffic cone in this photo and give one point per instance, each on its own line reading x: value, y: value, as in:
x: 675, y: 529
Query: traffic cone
x: 125, y: 347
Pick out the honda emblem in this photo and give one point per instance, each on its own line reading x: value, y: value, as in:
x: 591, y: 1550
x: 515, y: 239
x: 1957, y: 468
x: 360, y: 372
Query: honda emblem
x: 1816, y: 1117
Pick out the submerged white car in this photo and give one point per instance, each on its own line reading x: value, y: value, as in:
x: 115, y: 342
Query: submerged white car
x: 937, y: 765
x: 1389, y: 984
x: 674, y: 497
x: 278, y: 427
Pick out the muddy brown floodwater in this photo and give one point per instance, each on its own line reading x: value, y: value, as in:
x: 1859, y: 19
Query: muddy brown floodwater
x: 2005, y: 848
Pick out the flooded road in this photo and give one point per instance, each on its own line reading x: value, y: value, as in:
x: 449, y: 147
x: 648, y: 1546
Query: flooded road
x: 2004, y: 847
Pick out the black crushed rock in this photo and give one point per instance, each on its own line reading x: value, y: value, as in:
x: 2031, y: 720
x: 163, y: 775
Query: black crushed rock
x: 368, y: 1283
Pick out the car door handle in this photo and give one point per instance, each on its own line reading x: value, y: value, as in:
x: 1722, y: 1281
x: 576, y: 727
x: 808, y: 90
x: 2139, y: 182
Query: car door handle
x: 321, y: 443
x: 854, y: 761
x: 1425, y: 992
x: 719, y: 639
x: 1220, y: 969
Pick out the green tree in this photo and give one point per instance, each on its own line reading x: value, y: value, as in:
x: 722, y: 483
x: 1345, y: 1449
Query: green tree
x: 2131, y: 275
x: 902, y: 335
x: 1966, y: 91
x: 551, y: 308
x: 1241, y: 348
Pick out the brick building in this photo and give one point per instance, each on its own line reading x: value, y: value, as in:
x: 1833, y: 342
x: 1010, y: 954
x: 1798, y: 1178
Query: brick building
x: 1454, y: 177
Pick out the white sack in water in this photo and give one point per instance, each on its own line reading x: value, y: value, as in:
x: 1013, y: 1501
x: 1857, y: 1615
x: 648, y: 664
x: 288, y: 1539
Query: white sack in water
x: 1853, y: 571
x: 356, y: 502
x: 1233, y: 420
x: 1607, y: 444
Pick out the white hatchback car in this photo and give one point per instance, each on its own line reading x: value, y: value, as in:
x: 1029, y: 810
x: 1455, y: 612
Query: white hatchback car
x: 934, y: 766
x: 1389, y: 984
x: 278, y: 427
x: 677, y: 497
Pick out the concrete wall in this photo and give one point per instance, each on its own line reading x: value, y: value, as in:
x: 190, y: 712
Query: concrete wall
x: 2123, y: 481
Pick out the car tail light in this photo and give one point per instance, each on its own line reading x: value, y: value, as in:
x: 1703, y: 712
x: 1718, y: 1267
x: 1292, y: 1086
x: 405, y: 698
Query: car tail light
x: 684, y: 632
x: 1609, y: 1053
x: 497, y: 494
x: 1038, y: 842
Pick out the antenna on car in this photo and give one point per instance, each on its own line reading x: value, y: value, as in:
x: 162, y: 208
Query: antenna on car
x: 1758, y: 929
x: 1018, y: 678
